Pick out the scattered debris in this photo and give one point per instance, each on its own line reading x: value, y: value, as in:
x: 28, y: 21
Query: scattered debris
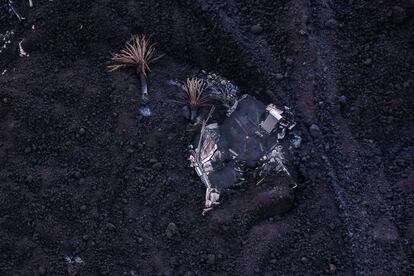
x: 204, y: 89
x: 283, y: 117
x: 296, y: 141
x: 273, y: 161
x: 222, y: 90
x: 145, y: 111
x: 16, y: 11
x: 31, y: 3
x: 74, y: 260
x: 5, y: 40
x: 22, y: 52
x: 247, y: 140
x: 303, y: 32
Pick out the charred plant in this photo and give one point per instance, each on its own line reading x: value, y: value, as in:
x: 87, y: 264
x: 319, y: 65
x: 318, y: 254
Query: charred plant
x: 138, y: 53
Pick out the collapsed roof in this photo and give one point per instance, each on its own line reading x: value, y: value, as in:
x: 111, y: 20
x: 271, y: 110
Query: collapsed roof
x: 248, y: 139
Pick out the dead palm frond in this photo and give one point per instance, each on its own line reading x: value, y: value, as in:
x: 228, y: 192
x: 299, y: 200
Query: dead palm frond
x: 138, y: 52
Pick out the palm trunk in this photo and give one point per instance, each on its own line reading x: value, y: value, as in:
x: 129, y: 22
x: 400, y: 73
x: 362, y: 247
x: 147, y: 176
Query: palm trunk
x: 193, y: 113
x: 144, y: 87
x: 144, y: 109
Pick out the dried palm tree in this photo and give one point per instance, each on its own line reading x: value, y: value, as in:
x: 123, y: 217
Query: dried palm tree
x: 194, y: 94
x: 194, y: 88
x: 138, y: 53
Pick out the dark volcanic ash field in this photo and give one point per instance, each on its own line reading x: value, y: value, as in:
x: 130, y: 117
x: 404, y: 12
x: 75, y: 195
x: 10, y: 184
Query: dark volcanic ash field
x: 88, y: 187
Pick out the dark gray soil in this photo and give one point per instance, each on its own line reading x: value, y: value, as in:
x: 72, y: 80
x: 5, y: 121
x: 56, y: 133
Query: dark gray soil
x: 83, y: 175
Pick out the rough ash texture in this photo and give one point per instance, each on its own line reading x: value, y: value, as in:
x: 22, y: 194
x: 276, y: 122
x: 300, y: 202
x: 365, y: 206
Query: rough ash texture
x: 82, y: 176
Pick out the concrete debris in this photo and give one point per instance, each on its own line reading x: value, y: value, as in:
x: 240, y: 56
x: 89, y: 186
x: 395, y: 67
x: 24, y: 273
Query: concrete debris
x: 248, y: 140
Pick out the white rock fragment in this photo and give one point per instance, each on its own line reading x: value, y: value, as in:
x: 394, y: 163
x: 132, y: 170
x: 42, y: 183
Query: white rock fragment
x: 74, y: 260
x: 22, y: 51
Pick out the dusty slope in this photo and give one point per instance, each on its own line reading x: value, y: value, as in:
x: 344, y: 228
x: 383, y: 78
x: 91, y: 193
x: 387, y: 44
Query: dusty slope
x: 107, y: 194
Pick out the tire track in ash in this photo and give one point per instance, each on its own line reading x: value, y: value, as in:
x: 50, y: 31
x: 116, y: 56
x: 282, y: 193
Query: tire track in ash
x: 264, y: 58
x: 353, y: 185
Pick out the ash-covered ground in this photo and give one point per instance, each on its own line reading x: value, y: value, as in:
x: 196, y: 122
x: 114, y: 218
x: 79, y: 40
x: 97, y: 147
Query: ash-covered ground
x: 89, y: 187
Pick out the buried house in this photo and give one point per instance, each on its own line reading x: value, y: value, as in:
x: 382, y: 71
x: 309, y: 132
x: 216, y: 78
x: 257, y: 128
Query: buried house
x: 247, y: 143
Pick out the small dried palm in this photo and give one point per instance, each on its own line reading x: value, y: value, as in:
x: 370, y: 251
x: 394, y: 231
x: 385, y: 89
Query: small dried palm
x: 138, y: 52
x: 194, y: 89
